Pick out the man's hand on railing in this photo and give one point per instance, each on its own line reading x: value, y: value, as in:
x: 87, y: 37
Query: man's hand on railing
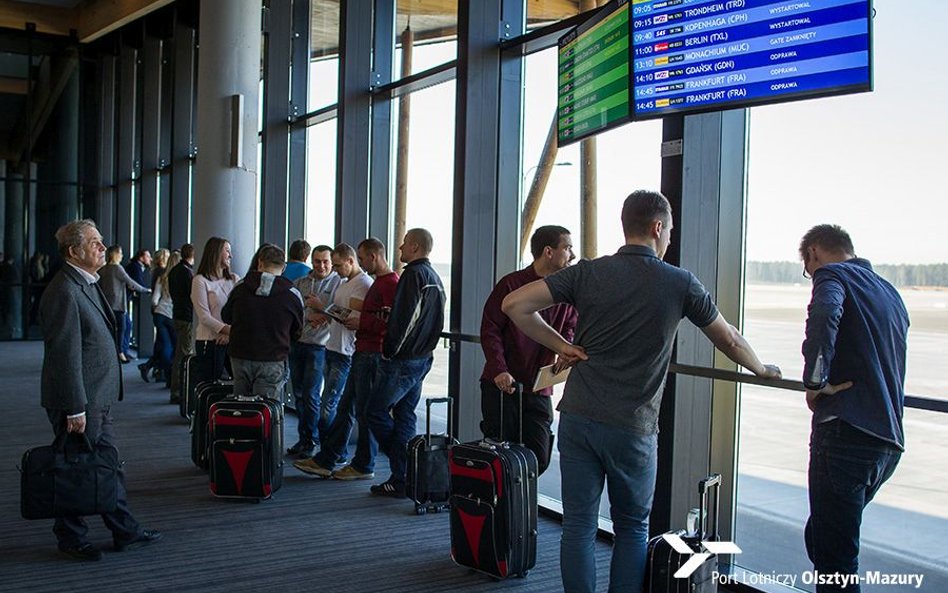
x: 771, y: 371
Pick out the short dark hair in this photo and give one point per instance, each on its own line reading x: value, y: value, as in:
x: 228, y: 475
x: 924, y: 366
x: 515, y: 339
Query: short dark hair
x: 271, y: 255
x: 344, y: 250
x: 546, y: 236
x: 641, y: 209
x: 187, y: 251
x: 372, y: 245
x: 322, y: 247
x: 299, y: 250
x: 422, y: 238
x: 140, y: 253
x: 830, y: 237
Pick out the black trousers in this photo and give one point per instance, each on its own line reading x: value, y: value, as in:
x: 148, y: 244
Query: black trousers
x: 71, y: 531
x: 537, y: 420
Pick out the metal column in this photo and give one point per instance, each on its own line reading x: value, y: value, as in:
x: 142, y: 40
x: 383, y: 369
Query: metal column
x: 182, y: 124
x: 276, y: 128
x: 225, y: 176
x: 299, y: 101
x: 381, y: 142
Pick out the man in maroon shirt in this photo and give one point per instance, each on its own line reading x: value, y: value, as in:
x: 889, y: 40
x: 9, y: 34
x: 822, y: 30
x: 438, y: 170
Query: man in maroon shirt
x: 365, y: 363
x: 512, y: 357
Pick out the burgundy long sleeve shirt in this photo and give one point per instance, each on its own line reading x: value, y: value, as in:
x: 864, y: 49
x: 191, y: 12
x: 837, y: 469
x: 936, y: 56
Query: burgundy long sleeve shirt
x: 506, y: 348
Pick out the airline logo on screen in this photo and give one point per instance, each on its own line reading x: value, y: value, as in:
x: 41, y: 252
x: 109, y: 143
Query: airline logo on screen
x: 697, y: 558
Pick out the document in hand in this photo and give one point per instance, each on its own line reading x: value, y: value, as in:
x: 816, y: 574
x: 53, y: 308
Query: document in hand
x: 336, y: 312
x: 547, y: 378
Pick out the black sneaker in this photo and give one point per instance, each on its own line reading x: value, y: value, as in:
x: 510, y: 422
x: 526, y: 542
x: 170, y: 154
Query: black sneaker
x: 390, y: 489
x: 144, y: 369
x: 295, y: 449
x: 83, y: 552
x: 147, y: 536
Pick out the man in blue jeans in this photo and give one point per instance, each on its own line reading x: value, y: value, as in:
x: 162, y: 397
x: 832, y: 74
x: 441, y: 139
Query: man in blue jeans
x: 630, y: 306
x: 854, y: 373
x: 414, y: 328
x: 308, y: 353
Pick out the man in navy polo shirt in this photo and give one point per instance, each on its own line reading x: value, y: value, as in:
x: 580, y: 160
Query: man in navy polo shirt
x: 630, y: 306
x: 854, y: 372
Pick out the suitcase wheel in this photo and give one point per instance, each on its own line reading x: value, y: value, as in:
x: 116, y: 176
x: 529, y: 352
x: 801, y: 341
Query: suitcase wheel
x: 523, y: 574
x: 420, y: 509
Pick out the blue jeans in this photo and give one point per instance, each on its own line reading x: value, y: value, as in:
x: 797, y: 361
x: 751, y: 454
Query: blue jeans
x: 164, y: 345
x: 335, y: 373
x: 398, y: 392
x: 306, y: 375
x: 591, y: 454
x: 126, y: 347
x: 352, y: 406
x: 847, y: 468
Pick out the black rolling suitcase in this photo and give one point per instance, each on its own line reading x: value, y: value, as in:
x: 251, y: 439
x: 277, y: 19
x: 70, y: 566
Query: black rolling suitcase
x: 494, y: 505
x: 246, y: 447
x: 429, y: 482
x: 188, y: 383
x: 206, y: 394
x: 668, y: 553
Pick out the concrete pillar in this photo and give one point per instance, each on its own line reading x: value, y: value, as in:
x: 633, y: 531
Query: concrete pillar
x: 225, y: 175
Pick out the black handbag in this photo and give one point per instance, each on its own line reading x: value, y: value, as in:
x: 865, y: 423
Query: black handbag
x: 69, y: 478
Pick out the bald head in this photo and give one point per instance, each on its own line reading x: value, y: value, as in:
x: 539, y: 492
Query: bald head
x: 418, y: 244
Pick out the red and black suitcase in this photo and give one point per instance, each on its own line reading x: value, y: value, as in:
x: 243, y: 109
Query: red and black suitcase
x: 246, y: 447
x: 428, y: 482
x: 669, y: 552
x: 494, y: 506
x: 206, y: 394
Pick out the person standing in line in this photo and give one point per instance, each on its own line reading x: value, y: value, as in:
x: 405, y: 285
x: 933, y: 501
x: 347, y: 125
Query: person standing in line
x: 308, y: 353
x: 162, y: 310
x: 342, y: 337
x: 265, y: 313
x: 138, y: 270
x: 630, y: 306
x: 82, y: 378
x: 161, y: 345
x: 209, y: 291
x: 413, y: 331
x: 363, y: 376
x: 296, y: 266
x: 854, y: 373
x: 115, y: 282
x: 182, y: 315
x: 511, y: 357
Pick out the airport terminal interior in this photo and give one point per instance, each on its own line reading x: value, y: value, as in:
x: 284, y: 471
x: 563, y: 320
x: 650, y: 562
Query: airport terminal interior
x: 265, y: 121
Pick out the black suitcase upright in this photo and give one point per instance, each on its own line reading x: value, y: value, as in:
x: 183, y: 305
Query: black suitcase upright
x: 668, y: 553
x: 429, y: 482
x: 246, y: 447
x: 187, y: 385
x: 206, y: 394
x: 494, y: 506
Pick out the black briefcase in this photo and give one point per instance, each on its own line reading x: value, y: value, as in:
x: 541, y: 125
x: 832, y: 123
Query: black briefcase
x: 68, y: 478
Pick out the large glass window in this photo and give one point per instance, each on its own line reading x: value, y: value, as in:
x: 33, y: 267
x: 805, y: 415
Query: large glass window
x: 627, y: 158
x: 871, y: 163
x: 320, y: 226
x: 324, y: 55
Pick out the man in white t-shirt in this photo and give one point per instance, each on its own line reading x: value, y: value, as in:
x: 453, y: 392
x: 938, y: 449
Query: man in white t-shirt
x: 343, y: 322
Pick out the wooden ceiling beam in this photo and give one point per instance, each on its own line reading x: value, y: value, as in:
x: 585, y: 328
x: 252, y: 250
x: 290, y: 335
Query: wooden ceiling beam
x: 101, y: 17
x: 48, y: 19
x: 13, y: 86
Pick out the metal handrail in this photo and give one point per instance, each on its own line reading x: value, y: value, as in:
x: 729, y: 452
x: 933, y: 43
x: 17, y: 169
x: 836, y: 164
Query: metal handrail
x: 916, y: 402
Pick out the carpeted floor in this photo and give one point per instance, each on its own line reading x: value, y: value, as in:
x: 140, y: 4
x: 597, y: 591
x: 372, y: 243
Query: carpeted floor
x: 314, y: 535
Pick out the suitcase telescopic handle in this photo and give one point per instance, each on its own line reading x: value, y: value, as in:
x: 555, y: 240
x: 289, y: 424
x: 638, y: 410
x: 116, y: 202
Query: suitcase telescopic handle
x: 705, y: 487
x: 518, y: 391
x: 437, y: 400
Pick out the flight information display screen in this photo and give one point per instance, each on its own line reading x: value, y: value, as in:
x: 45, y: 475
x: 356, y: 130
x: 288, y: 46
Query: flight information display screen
x: 593, y: 75
x: 695, y: 55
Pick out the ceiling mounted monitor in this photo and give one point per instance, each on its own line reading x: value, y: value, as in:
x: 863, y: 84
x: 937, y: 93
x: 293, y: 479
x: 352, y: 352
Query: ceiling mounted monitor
x: 690, y: 56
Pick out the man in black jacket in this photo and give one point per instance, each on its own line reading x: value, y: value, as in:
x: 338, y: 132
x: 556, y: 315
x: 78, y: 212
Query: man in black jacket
x: 182, y: 315
x: 414, y: 328
x: 265, y: 313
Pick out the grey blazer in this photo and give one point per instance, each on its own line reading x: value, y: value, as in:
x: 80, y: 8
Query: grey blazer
x: 80, y: 359
x: 113, y: 279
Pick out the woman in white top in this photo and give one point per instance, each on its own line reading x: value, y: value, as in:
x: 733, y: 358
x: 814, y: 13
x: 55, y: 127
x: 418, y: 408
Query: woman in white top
x: 209, y: 291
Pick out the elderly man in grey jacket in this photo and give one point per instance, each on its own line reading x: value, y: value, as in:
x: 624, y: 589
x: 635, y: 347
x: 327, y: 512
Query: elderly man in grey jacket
x: 81, y: 376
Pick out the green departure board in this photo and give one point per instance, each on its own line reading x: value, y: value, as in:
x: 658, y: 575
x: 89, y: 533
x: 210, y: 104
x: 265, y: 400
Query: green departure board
x: 593, y: 75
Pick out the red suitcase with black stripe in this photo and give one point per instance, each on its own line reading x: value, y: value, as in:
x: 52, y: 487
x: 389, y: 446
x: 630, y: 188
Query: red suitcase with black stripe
x: 494, y: 506
x: 246, y: 447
